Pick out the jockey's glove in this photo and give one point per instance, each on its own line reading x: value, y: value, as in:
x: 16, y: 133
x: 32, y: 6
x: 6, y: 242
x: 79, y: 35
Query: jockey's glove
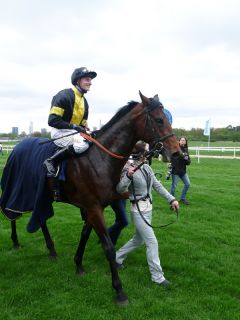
x: 93, y: 135
x: 79, y: 128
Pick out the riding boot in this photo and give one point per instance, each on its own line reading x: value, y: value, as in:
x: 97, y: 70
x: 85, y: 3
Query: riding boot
x: 54, y: 185
x: 51, y: 165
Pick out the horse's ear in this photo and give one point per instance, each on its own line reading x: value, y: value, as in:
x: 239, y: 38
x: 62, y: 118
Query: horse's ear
x: 156, y: 98
x: 144, y: 99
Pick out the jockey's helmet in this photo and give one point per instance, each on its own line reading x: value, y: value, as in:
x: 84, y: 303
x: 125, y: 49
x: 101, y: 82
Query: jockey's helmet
x: 80, y: 73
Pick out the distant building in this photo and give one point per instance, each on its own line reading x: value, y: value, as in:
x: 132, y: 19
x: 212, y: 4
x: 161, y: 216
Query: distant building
x: 43, y: 131
x: 31, y: 128
x: 230, y: 127
x: 15, y: 130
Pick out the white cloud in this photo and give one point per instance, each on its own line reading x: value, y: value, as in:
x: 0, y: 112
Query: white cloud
x: 186, y: 51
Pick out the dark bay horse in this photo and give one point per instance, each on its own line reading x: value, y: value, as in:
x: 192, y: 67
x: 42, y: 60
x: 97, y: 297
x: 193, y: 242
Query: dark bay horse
x: 91, y: 178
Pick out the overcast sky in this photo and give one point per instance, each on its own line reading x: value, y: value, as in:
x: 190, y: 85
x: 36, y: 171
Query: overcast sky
x: 187, y: 51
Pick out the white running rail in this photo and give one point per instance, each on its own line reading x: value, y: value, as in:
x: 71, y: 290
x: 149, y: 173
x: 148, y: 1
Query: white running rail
x: 215, y: 152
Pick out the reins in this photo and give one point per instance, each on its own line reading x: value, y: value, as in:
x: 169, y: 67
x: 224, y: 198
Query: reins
x: 114, y: 155
x: 54, y: 139
x: 89, y: 138
x: 158, y: 147
x: 139, y: 211
x: 153, y: 104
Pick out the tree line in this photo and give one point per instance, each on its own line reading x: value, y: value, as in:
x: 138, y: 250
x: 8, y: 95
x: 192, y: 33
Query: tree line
x: 217, y: 134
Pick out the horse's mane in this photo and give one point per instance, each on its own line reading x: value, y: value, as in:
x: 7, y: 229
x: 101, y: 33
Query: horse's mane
x: 120, y: 113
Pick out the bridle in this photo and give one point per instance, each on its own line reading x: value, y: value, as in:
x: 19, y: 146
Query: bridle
x: 150, y: 119
x: 158, y: 146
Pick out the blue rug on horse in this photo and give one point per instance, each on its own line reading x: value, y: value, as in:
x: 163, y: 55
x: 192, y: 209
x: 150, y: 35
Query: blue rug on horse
x: 24, y: 183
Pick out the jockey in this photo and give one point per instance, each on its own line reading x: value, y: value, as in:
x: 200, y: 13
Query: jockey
x: 69, y: 114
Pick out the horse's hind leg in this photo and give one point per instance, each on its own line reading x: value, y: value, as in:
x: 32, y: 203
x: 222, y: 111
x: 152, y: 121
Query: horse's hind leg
x: 49, y: 241
x: 86, y: 231
x: 14, y: 236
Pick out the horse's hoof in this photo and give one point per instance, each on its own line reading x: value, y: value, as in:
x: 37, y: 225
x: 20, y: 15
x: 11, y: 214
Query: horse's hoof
x: 16, y: 246
x: 80, y: 271
x: 122, y: 300
x: 52, y: 256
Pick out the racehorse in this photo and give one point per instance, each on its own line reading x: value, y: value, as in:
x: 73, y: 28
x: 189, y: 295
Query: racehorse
x: 92, y: 177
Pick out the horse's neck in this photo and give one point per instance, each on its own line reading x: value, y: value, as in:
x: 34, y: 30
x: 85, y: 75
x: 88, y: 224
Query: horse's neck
x: 119, y: 140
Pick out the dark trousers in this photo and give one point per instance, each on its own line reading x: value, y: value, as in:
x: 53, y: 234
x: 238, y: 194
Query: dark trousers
x: 121, y: 219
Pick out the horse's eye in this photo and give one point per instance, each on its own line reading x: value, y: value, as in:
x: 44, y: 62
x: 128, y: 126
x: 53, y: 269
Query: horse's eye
x: 159, y: 121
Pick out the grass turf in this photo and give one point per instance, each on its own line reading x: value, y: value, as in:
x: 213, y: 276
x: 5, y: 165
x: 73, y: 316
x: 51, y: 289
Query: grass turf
x: 200, y: 255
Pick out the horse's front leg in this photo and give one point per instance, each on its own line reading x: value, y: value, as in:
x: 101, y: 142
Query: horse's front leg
x: 86, y: 231
x: 109, y: 250
x: 49, y: 241
x: 14, y: 236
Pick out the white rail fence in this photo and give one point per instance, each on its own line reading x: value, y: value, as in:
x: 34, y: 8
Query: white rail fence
x: 215, y: 152
x: 200, y: 152
x: 7, y: 148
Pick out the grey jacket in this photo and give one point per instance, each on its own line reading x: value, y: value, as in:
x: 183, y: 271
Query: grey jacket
x: 144, y: 180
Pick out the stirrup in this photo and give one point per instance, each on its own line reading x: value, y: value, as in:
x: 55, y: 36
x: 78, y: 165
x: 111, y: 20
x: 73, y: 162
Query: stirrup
x: 57, y: 196
x: 50, y: 173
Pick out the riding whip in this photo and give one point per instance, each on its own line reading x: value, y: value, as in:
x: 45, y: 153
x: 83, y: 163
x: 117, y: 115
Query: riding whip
x: 51, y: 140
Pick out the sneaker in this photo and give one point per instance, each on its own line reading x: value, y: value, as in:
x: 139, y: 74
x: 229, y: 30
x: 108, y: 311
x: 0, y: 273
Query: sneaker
x: 184, y: 201
x: 165, y: 283
x: 119, y: 265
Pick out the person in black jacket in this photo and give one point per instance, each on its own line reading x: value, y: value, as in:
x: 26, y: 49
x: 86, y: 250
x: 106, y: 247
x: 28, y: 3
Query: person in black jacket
x: 69, y: 114
x: 179, y: 171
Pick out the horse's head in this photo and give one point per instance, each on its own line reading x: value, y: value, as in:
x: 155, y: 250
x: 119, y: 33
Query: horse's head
x: 145, y: 120
x: 154, y: 127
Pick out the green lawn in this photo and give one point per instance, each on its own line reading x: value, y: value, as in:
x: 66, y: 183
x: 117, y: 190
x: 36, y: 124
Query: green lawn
x: 200, y: 255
